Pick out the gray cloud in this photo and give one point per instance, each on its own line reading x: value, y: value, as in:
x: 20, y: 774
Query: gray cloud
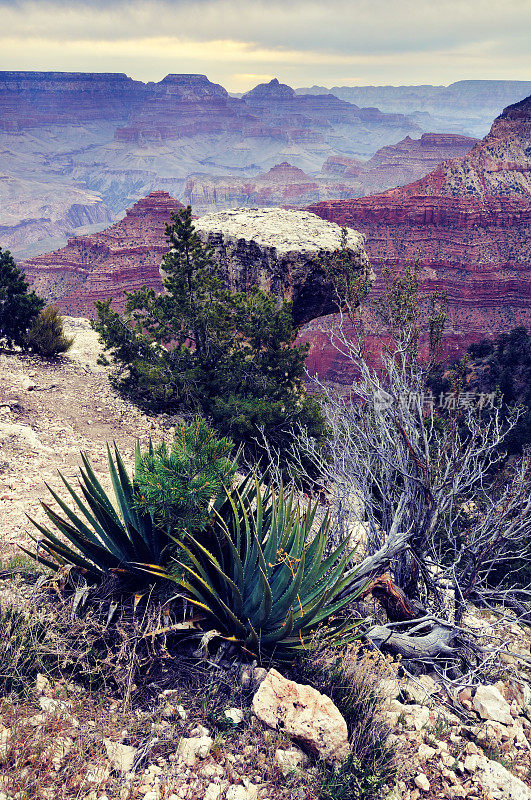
x: 321, y: 41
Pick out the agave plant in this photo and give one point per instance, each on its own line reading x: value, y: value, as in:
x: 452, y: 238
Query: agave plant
x: 104, y: 537
x: 260, y: 577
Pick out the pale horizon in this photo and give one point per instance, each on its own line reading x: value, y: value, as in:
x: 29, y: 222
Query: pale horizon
x: 238, y: 45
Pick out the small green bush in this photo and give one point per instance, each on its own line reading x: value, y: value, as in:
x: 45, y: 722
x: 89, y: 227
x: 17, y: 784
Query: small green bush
x: 46, y: 336
x: 174, y: 489
x: 178, y: 483
x: 18, y: 307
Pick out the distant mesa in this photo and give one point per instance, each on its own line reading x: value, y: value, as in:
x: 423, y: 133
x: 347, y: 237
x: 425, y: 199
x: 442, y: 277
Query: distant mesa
x: 268, y: 91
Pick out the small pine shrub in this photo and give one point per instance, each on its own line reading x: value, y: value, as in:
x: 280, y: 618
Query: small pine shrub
x: 18, y: 307
x: 177, y: 484
x: 46, y: 336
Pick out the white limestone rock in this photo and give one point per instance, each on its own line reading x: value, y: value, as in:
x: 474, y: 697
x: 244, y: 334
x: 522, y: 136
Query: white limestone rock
x: 309, y: 717
x: 490, y: 704
x: 276, y: 250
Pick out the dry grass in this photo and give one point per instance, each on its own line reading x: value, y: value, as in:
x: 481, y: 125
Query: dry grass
x: 109, y: 692
x: 350, y: 675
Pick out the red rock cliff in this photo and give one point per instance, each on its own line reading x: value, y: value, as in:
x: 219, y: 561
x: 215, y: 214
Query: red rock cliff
x: 121, y: 258
x: 469, y: 223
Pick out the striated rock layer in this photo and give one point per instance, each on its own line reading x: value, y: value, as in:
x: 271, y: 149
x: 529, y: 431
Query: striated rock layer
x: 341, y: 177
x: 468, y: 222
x: 121, y: 258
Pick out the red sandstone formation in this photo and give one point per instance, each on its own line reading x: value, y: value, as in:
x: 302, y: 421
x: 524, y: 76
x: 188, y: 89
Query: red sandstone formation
x: 122, y: 258
x: 468, y: 221
x: 283, y: 184
x: 341, y: 177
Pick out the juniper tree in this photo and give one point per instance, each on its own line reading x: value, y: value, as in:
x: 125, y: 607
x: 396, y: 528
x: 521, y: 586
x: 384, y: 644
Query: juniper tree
x: 18, y: 307
x: 197, y: 348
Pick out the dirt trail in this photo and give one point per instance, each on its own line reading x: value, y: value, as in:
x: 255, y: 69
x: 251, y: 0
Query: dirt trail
x: 49, y: 412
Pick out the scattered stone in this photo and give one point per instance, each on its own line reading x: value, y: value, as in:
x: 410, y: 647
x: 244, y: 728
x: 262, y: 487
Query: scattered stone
x: 189, y: 750
x: 490, y: 704
x: 420, y: 689
x: 235, y: 715
x: 425, y: 752
x: 500, y: 783
x: 291, y: 760
x: 305, y: 714
x: 121, y: 756
x: 5, y: 738
x: 248, y: 792
x: 59, y: 707
x: 422, y: 782
x: 214, y: 791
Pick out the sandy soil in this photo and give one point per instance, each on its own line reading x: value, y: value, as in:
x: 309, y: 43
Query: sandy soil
x: 49, y: 412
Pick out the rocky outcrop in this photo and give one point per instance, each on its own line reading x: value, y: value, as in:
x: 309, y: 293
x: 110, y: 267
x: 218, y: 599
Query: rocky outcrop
x: 400, y: 163
x: 278, y: 251
x: 121, y: 258
x: 270, y: 248
x: 310, y: 718
x: 341, y: 177
x: 468, y: 221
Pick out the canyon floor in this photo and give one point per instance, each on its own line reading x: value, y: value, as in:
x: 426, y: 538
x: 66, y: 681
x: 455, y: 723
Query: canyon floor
x: 49, y: 412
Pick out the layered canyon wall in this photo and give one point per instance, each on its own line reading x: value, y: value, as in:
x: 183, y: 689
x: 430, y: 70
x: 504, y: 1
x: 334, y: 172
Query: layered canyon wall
x: 468, y: 222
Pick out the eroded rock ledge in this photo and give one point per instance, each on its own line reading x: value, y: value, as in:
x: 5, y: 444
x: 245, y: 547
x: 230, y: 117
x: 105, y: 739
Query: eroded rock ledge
x: 278, y: 251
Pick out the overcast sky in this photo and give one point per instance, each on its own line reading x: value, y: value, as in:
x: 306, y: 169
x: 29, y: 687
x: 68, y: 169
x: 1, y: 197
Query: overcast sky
x: 240, y: 43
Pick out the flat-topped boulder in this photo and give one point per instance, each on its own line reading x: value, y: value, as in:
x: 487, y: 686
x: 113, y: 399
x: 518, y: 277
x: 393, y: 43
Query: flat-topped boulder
x: 279, y: 251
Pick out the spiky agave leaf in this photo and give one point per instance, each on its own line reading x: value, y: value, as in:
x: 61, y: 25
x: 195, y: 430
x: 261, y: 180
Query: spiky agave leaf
x: 100, y: 536
x: 261, y: 576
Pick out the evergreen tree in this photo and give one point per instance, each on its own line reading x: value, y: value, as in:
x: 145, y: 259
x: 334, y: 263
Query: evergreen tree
x: 177, y: 483
x: 199, y: 348
x: 18, y: 307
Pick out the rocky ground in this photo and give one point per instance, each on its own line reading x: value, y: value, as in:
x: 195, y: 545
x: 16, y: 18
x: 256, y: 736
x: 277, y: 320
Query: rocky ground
x: 62, y: 742
x: 49, y: 412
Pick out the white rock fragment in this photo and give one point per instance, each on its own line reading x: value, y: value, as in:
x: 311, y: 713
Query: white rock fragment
x: 58, y: 707
x: 42, y: 685
x: 189, y: 750
x: 214, y: 791
x: 235, y: 715
x: 490, y: 704
x: 121, y: 756
x: 309, y: 717
x: 291, y: 760
x: 422, y: 782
